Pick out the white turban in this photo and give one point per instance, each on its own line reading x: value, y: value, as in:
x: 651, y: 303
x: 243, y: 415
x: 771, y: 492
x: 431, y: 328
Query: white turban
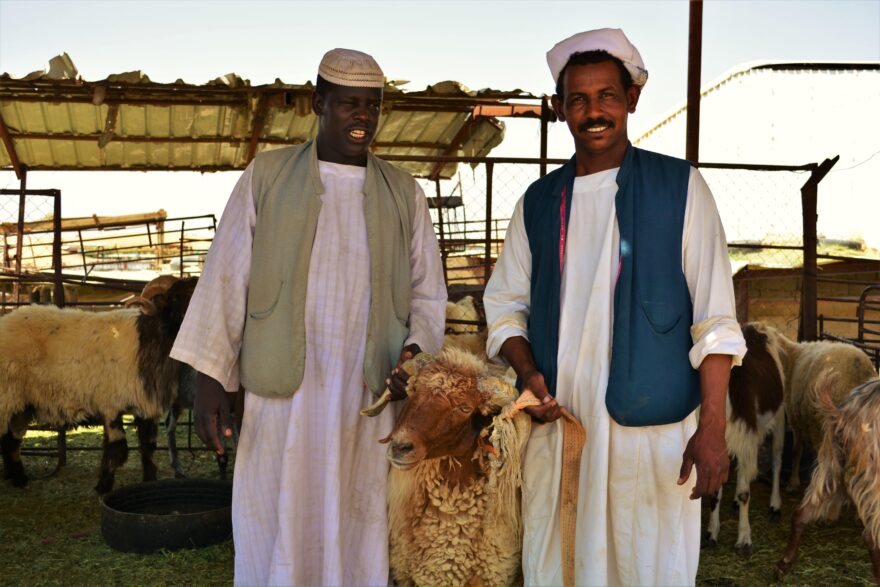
x: 346, y: 67
x: 612, y: 41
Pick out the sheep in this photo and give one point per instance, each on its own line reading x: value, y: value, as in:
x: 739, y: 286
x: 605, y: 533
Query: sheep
x: 60, y: 367
x: 754, y: 409
x: 454, y: 487
x: 847, y: 469
x: 186, y: 387
x: 463, y: 309
x: 804, y: 364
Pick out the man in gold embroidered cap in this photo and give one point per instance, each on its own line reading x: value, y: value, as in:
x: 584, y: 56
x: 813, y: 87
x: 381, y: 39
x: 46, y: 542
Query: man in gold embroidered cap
x: 323, y: 276
x: 613, y: 297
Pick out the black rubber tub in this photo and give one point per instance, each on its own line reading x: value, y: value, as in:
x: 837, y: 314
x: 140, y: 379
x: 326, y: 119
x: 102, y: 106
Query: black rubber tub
x: 170, y: 514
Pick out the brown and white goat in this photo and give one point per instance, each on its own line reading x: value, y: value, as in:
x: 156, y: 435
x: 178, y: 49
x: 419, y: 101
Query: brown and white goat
x: 63, y: 367
x: 755, y: 409
x: 847, y: 469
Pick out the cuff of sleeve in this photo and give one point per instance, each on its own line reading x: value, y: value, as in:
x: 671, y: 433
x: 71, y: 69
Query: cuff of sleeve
x: 719, y: 335
x: 228, y: 378
x: 500, y: 331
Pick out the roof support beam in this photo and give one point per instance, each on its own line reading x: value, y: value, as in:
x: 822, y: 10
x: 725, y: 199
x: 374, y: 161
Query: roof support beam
x: 109, y: 125
x: 10, y: 149
x: 456, y: 143
x: 257, y: 124
x: 509, y: 110
x: 91, y: 137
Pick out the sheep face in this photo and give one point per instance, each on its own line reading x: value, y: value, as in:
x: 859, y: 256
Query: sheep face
x: 450, y: 401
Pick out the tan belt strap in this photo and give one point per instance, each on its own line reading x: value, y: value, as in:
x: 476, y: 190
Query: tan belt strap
x: 573, y: 439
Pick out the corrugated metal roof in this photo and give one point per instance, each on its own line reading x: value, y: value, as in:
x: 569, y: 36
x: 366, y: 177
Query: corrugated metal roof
x: 754, y: 67
x: 53, y: 120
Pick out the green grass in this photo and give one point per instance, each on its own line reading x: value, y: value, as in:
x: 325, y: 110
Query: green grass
x: 50, y: 533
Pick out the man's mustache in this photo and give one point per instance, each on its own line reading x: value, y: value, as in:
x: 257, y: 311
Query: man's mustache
x: 582, y: 127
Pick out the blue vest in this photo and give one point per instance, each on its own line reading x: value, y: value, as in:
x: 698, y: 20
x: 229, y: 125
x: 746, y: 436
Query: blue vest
x: 651, y: 380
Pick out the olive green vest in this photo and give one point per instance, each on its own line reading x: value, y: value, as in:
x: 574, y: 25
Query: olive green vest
x: 287, y: 191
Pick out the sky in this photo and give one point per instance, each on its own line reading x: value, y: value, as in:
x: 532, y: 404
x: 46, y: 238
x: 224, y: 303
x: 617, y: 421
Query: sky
x: 481, y: 44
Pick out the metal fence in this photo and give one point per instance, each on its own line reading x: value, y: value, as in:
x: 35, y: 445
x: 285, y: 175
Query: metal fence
x: 768, y: 212
x: 47, y: 261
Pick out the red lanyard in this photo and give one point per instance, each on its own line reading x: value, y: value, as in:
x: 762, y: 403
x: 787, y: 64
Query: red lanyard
x: 562, y: 231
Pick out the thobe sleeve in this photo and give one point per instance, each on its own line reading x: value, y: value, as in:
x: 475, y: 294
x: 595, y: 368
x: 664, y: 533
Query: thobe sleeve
x: 706, y: 267
x: 507, y: 296
x: 427, y: 318
x: 210, y: 336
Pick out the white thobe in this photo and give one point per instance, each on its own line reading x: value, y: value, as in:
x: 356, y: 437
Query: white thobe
x: 635, y: 526
x: 310, y: 476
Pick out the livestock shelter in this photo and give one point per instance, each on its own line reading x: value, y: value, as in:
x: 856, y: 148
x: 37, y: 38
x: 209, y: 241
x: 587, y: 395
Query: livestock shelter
x: 54, y: 120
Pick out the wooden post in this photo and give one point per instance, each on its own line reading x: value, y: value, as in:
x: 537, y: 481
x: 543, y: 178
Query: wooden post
x: 546, y: 112
x: 695, y: 52
x: 807, y: 329
x: 490, y: 168
x: 441, y: 230
x: 56, y: 250
x: 182, y: 225
x: 19, y: 243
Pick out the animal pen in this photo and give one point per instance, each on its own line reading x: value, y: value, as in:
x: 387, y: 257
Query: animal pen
x: 443, y: 135
x: 785, y: 274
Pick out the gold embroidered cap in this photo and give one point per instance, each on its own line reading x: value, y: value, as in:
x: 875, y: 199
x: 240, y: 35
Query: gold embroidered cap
x: 346, y: 67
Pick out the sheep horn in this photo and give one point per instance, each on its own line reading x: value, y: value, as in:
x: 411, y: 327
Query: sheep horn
x: 147, y: 307
x: 376, y: 408
x: 411, y: 367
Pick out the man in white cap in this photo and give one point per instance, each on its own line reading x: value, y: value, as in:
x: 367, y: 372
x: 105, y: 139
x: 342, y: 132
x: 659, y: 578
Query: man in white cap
x: 323, y: 276
x: 613, y: 298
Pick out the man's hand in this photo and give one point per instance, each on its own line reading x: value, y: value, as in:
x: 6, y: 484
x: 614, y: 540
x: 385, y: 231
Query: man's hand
x: 211, y: 409
x: 517, y: 351
x: 549, y: 410
x: 397, y: 381
x: 707, y: 451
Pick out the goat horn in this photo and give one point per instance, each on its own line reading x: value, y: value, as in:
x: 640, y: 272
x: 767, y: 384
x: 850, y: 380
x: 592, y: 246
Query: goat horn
x: 376, y: 408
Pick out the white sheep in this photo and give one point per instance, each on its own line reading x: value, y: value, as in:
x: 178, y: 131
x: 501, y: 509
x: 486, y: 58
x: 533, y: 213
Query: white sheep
x: 463, y: 309
x: 805, y: 364
x: 62, y: 367
x: 454, y: 489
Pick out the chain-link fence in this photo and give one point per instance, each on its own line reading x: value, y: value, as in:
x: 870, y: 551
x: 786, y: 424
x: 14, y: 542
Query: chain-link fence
x: 761, y: 207
x: 24, y: 252
x: 761, y: 210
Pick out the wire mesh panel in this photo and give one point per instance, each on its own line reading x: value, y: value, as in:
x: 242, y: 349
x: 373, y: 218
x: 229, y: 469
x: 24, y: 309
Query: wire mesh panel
x: 33, y: 253
x: 475, y: 208
x: 763, y: 220
x: 760, y: 207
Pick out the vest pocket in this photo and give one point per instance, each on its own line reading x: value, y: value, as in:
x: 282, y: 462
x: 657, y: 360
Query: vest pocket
x: 260, y: 314
x: 661, y: 316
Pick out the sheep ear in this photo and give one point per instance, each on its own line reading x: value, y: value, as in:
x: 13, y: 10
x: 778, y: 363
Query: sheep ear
x: 497, y: 393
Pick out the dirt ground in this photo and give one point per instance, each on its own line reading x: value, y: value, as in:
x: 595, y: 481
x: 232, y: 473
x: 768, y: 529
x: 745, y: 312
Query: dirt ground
x: 50, y: 533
